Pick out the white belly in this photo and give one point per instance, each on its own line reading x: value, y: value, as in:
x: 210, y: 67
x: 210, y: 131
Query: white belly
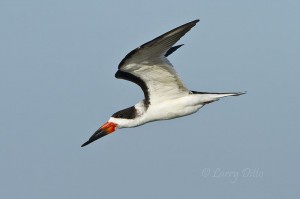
x: 173, y: 108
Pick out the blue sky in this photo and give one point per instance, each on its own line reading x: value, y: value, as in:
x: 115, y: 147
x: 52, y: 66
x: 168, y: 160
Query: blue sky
x: 57, y: 85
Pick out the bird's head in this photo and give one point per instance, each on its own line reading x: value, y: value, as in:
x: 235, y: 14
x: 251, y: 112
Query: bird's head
x: 120, y: 119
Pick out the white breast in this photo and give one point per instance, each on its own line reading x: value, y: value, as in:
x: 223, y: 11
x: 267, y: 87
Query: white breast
x: 170, y: 109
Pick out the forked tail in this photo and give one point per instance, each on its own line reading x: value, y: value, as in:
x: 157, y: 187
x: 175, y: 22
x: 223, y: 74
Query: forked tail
x: 208, y: 97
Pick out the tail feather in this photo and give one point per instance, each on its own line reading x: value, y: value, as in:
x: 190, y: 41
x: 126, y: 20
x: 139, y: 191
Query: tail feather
x: 208, y: 97
x: 227, y: 94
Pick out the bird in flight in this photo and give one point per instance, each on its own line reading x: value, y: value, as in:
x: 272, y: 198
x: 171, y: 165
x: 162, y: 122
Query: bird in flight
x: 166, y: 97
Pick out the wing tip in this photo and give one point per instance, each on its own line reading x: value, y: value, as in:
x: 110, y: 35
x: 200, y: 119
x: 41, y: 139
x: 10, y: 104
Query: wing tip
x: 194, y: 22
x: 188, y: 25
x: 172, y: 49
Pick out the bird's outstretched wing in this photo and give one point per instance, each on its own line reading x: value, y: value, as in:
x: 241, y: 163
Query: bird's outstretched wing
x: 148, y: 66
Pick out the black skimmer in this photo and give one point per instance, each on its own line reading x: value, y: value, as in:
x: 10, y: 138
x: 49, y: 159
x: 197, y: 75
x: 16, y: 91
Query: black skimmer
x: 166, y: 97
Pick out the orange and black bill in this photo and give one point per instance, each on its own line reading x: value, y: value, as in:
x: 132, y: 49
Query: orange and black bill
x: 104, y: 130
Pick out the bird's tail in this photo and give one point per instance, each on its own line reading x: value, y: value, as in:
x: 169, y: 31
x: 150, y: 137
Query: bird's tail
x: 208, y: 97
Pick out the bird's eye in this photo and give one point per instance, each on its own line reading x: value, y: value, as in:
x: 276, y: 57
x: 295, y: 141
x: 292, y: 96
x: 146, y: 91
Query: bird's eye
x: 121, y: 115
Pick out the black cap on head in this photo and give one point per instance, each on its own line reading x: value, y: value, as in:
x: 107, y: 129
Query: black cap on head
x: 128, y: 113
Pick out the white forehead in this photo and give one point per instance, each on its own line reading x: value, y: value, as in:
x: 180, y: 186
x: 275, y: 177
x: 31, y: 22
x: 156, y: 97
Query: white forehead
x: 123, y: 123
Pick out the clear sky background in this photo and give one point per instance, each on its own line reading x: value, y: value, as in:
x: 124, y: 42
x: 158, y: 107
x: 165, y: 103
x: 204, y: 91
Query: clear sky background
x: 57, y: 86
